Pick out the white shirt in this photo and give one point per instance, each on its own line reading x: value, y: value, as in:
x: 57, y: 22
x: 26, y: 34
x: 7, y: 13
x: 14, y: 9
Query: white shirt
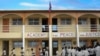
x: 86, y: 53
x: 46, y: 53
x: 57, y: 53
x: 63, y: 52
x: 41, y: 52
x: 4, y: 52
x: 69, y: 52
x: 73, y: 52
x: 97, y: 50
x: 79, y: 53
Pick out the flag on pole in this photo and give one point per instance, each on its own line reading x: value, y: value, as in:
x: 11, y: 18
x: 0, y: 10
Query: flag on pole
x: 50, y: 7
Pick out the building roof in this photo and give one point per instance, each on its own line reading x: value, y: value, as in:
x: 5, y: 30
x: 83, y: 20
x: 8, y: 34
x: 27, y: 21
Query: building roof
x: 51, y: 11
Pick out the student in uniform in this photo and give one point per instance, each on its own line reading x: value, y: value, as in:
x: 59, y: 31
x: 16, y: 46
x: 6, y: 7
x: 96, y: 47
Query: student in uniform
x: 33, y: 53
x: 69, y: 51
x: 63, y: 52
x: 41, y: 53
x: 4, y: 52
x: 57, y: 53
x: 85, y: 51
x: 46, y: 52
x: 97, y: 50
x: 22, y: 52
x: 66, y: 51
x: 73, y: 52
x: 13, y: 52
x: 91, y: 51
x: 79, y: 52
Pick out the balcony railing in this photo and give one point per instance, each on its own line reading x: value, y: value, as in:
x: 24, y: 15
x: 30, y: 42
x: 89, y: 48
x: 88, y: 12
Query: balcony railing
x: 44, y: 28
x: 10, y: 28
x: 89, y: 28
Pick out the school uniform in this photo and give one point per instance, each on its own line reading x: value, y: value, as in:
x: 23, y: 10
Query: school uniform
x: 97, y: 51
x: 4, y: 53
x: 22, y: 53
x: 57, y: 53
x: 69, y: 52
x: 41, y: 53
x: 73, y: 52
x: 46, y: 53
x: 91, y: 52
x: 86, y: 53
x: 79, y: 53
x: 13, y: 53
x: 33, y: 53
x: 63, y: 52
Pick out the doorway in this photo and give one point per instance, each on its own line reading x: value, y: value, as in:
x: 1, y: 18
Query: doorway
x: 6, y: 47
x: 55, y: 47
x: 93, y: 22
x: 45, y: 43
x: 45, y: 25
x: 54, y: 25
x: 6, y: 25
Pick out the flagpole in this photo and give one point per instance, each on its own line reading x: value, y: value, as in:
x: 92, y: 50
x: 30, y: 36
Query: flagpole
x: 50, y: 30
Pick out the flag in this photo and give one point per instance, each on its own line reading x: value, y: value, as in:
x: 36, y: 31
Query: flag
x: 50, y: 7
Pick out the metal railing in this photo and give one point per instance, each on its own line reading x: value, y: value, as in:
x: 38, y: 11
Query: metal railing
x: 89, y: 28
x: 44, y: 28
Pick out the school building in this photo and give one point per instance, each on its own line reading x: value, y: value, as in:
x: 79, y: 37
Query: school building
x: 30, y: 29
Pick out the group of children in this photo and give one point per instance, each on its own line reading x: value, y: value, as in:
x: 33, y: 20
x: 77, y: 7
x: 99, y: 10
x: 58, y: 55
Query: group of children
x: 66, y: 51
x: 12, y: 52
x: 80, y: 51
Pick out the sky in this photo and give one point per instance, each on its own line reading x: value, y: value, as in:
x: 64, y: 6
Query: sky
x: 44, y: 4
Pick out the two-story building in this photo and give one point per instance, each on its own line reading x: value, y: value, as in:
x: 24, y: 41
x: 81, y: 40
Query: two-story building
x: 36, y: 29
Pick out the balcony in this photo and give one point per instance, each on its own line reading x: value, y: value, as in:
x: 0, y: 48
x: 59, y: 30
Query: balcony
x: 89, y: 30
x: 11, y: 31
x: 41, y: 31
x: 33, y: 31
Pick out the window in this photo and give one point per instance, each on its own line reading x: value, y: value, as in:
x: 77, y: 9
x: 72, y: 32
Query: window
x: 99, y: 20
x: 17, y: 21
x: 55, y: 44
x: 82, y: 43
x: 17, y: 44
x: 43, y: 44
x: 32, y: 43
x: 54, y: 28
x: 67, y: 43
x: 32, y: 21
x: 82, y: 21
x: 65, y: 21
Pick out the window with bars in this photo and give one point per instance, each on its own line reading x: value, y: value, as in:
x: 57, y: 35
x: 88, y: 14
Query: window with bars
x: 82, y: 21
x: 55, y: 44
x: 82, y: 42
x: 32, y: 43
x: 65, y: 21
x: 33, y: 21
x: 67, y: 43
x: 17, y: 21
x: 17, y: 44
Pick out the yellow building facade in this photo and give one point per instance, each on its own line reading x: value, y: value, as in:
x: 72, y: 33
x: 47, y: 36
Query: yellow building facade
x: 36, y: 33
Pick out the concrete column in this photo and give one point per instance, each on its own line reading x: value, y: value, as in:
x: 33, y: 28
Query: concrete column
x: 50, y: 40
x: 1, y: 48
x: 59, y: 46
x: 23, y: 37
x: 77, y: 35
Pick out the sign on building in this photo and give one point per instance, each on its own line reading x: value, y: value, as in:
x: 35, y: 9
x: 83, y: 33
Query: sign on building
x: 89, y: 34
x: 64, y: 34
x: 59, y: 34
